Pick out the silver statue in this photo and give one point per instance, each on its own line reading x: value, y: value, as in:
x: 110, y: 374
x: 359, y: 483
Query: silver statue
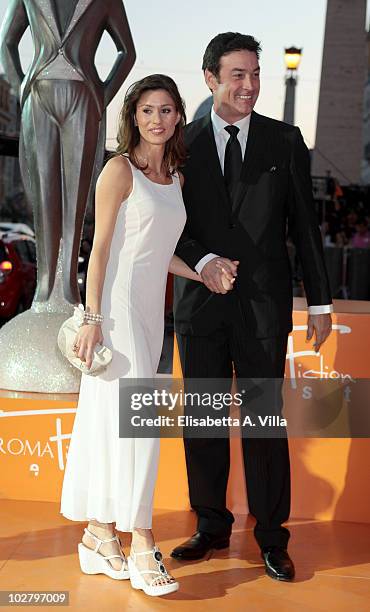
x: 62, y: 143
x: 63, y: 124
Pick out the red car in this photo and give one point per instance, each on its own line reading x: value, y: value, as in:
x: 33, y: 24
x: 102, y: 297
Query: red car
x: 17, y: 274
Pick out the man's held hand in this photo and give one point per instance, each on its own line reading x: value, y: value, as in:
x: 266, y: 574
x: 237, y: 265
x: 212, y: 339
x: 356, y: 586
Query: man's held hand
x: 216, y: 271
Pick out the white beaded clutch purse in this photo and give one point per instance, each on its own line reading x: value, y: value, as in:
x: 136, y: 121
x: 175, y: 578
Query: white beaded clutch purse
x: 66, y: 337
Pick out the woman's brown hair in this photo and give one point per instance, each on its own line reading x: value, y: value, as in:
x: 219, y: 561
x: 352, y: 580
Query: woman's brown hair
x: 128, y: 133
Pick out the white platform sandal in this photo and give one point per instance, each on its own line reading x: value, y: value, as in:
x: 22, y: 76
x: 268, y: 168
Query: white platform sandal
x: 94, y: 562
x: 136, y: 575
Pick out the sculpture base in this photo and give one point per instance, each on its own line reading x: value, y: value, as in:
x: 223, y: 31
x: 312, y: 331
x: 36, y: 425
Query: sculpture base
x: 30, y: 359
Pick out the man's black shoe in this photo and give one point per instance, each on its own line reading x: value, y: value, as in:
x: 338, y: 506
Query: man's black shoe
x: 198, y: 545
x: 278, y: 563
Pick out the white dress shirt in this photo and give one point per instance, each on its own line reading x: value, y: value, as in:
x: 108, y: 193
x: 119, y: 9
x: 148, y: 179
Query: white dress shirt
x: 221, y: 138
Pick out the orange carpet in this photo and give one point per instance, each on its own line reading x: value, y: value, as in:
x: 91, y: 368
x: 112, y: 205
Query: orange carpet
x: 38, y: 551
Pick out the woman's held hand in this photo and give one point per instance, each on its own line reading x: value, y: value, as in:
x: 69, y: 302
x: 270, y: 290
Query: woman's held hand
x: 227, y: 278
x: 87, y: 337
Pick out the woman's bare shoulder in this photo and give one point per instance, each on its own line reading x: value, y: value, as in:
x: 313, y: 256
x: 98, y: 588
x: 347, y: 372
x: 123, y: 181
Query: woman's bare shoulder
x: 116, y: 176
x: 118, y: 165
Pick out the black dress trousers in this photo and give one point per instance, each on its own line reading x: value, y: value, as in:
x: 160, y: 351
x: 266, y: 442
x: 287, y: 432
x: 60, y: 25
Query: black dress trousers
x: 266, y: 459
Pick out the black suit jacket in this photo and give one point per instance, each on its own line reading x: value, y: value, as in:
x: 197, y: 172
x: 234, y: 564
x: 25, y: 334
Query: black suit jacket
x: 78, y: 44
x: 274, y: 188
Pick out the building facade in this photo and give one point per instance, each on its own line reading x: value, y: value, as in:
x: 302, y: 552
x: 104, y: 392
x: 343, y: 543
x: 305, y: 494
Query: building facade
x: 365, y: 169
x: 339, y: 131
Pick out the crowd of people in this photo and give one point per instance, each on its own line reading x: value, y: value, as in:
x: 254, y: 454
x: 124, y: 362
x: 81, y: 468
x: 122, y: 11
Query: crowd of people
x: 347, y: 217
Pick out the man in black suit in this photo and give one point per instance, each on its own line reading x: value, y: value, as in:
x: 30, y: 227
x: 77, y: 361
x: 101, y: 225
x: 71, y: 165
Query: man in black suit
x: 247, y: 176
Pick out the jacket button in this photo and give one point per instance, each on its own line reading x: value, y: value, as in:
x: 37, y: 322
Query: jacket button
x: 232, y: 226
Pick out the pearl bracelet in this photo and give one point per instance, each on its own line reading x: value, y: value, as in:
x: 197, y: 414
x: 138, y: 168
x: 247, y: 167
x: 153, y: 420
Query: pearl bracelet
x: 94, y: 318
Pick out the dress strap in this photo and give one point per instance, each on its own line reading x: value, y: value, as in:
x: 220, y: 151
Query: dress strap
x: 177, y: 177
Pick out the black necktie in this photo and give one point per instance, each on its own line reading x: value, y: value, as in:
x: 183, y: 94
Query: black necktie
x: 233, y: 160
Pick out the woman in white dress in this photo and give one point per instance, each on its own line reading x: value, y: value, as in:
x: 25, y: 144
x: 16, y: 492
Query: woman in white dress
x: 139, y: 217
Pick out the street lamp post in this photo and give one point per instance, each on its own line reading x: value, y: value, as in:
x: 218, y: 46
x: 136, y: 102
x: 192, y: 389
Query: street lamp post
x: 292, y: 60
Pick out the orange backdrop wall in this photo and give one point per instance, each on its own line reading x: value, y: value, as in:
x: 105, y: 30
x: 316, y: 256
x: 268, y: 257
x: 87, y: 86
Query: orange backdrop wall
x: 329, y: 476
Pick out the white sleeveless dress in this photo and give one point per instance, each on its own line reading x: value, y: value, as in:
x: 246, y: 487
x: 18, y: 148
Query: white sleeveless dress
x: 107, y: 478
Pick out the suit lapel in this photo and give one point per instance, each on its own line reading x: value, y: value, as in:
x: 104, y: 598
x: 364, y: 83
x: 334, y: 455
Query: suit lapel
x: 80, y: 9
x: 208, y: 151
x: 253, y: 158
x: 47, y: 9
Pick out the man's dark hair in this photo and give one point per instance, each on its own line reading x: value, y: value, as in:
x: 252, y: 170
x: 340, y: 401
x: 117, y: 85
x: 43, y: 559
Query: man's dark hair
x: 226, y: 43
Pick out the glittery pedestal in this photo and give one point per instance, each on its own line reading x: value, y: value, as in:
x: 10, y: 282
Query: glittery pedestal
x: 30, y: 359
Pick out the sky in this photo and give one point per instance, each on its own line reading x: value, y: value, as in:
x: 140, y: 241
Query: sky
x: 170, y: 37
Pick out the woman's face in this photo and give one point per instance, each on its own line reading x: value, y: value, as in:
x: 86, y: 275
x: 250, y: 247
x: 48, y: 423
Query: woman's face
x: 156, y: 116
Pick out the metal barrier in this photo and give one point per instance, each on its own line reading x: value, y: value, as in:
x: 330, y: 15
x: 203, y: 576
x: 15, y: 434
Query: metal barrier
x: 358, y: 274
x: 335, y: 260
x: 348, y: 272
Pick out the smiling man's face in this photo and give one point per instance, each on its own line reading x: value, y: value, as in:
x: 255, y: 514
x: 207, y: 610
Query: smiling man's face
x: 236, y: 89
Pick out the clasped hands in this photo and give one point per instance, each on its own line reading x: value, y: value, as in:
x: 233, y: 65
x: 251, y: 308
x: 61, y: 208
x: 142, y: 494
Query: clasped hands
x: 219, y: 274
